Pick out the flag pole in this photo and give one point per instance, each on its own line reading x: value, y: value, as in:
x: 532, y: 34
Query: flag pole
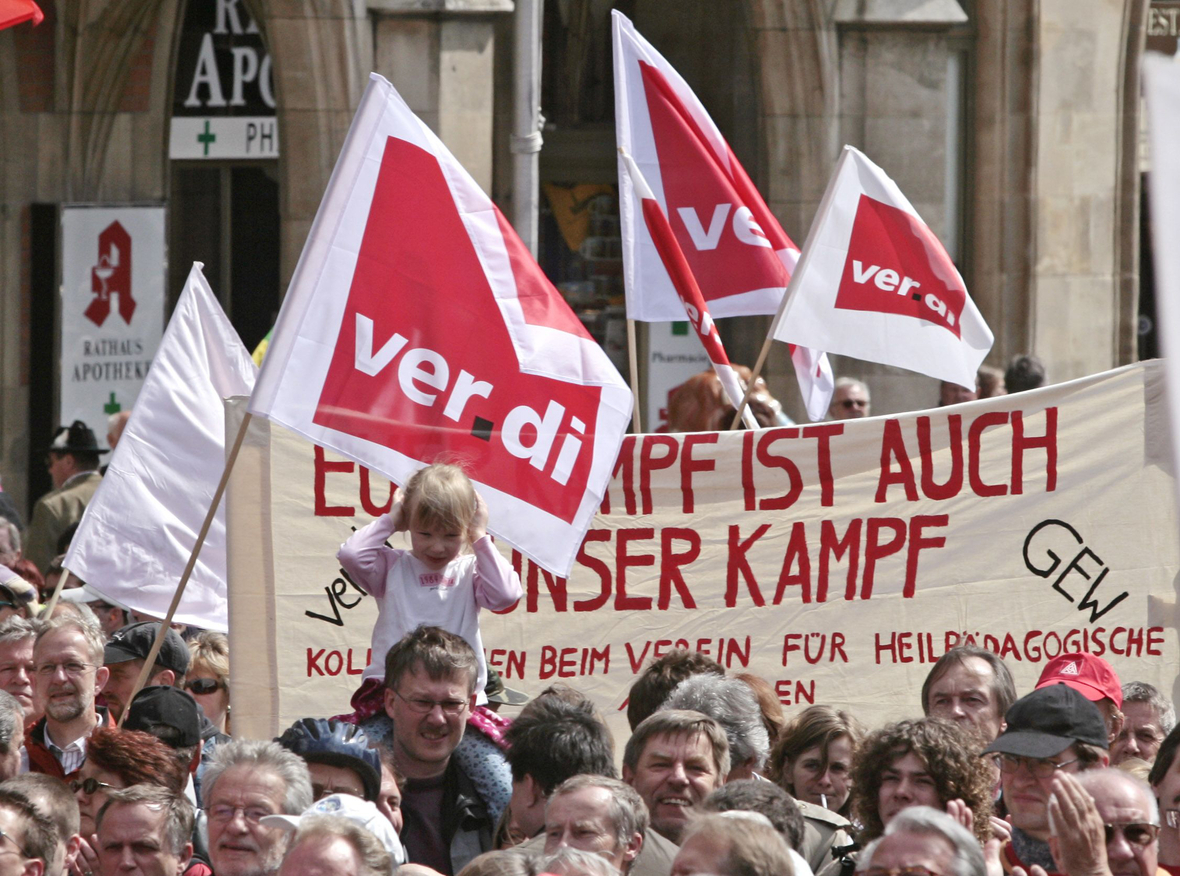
x: 150, y: 660
x: 737, y: 417
x: 633, y: 358
x: 47, y: 611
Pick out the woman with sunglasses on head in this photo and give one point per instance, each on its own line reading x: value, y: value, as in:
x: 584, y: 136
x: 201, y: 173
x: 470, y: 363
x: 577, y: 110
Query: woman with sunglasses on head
x: 117, y: 759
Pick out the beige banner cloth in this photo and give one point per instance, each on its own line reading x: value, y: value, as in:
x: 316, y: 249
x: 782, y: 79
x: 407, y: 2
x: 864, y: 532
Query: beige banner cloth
x: 837, y: 560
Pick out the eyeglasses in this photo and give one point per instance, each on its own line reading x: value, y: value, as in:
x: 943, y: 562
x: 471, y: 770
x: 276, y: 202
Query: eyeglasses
x: 89, y: 786
x: 203, y: 685
x: 223, y: 813
x: 424, y: 707
x: 855, y: 403
x: 1038, y: 767
x: 5, y: 835
x: 1137, y: 833
x: 898, y: 871
x: 73, y: 670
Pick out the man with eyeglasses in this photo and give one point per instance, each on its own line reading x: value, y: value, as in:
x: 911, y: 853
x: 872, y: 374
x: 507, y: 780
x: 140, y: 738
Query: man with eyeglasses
x: 28, y: 840
x: 1053, y: 730
x: 429, y: 694
x: 67, y: 662
x: 922, y: 841
x: 1103, y: 822
x: 1149, y: 716
x: 247, y: 781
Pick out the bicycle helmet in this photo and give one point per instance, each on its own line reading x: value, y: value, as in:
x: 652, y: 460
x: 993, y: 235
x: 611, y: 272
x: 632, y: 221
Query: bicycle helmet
x: 319, y: 740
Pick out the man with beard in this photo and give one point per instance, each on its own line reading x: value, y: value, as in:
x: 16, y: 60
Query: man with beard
x: 246, y: 781
x: 67, y: 660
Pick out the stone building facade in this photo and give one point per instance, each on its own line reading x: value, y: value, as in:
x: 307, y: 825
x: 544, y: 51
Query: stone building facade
x: 1012, y: 125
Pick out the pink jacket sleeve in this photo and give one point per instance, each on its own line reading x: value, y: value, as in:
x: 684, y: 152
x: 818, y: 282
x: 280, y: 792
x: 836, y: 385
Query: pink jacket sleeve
x: 365, y: 557
x: 497, y: 586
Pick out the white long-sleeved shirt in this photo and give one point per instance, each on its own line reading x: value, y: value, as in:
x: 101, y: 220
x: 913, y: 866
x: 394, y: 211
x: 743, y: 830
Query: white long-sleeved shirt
x: 409, y: 594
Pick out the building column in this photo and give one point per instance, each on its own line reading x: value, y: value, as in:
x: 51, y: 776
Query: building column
x: 439, y: 55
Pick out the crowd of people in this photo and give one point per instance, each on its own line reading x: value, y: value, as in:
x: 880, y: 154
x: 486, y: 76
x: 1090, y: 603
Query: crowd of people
x: 436, y: 767
x: 1070, y: 778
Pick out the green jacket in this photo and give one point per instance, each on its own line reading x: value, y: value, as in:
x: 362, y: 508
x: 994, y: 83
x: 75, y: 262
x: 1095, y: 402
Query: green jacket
x: 54, y: 513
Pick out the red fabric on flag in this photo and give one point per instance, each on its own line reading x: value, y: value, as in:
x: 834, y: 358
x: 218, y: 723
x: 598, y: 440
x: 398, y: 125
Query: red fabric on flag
x: 14, y: 12
x: 885, y: 238
x: 694, y: 180
x: 418, y: 278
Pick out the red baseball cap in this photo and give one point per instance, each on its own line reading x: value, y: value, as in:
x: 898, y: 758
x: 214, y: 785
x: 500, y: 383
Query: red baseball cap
x: 1091, y: 676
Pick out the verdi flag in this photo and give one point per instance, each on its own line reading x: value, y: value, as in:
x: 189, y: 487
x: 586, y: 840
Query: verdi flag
x: 418, y: 327
x: 690, y: 294
x: 734, y: 246
x: 875, y: 283
x: 141, y: 526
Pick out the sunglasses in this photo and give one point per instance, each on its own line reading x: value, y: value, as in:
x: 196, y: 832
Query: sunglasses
x: 1138, y: 833
x: 850, y: 403
x: 89, y: 786
x: 203, y: 685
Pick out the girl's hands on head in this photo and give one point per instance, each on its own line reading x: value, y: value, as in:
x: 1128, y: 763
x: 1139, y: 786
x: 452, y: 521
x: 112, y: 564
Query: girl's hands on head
x: 479, y: 521
x: 397, y: 513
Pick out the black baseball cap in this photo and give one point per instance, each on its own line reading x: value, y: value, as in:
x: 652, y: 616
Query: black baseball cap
x: 1048, y: 721
x: 163, y: 705
x: 134, y: 641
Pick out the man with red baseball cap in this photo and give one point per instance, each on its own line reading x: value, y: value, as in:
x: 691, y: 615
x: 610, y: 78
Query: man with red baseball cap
x: 1093, y: 678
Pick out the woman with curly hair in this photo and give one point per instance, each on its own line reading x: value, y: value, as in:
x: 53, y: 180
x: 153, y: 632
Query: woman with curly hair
x: 927, y: 762
x: 812, y: 759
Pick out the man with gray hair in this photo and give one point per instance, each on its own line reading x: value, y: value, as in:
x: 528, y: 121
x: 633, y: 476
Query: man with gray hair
x: 328, y: 844
x: 675, y: 759
x: 246, y: 781
x: 733, y: 844
x: 1104, y: 821
x: 67, y: 658
x: 923, y: 837
x: 144, y: 829
x: 732, y: 704
x: 607, y: 817
x: 16, y: 661
x: 850, y: 400
x: 1149, y: 717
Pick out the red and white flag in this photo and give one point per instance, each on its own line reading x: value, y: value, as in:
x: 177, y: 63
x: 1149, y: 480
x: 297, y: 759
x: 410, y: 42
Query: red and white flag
x: 733, y: 245
x: 686, y: 287
x: 417, y: 326
x: 875, y: 283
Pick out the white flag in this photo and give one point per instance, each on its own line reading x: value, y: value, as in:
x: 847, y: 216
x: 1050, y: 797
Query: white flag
x: 875, y: 283
x: 417, y: 327
x: 141, y: 526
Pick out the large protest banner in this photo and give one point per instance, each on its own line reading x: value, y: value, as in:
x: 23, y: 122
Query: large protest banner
x: 837, y: 560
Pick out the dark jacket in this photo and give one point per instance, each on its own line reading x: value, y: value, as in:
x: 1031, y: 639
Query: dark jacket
x: 467, y: 824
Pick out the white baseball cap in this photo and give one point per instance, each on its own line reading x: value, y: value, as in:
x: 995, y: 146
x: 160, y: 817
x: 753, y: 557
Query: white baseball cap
x: 360, y: 812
